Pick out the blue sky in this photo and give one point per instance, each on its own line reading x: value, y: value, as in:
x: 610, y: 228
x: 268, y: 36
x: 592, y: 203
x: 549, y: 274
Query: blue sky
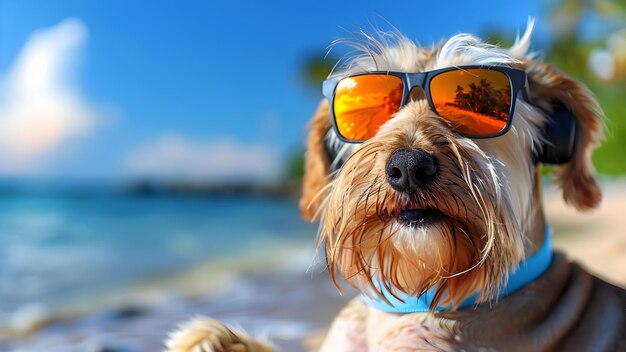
x: 211, y: 89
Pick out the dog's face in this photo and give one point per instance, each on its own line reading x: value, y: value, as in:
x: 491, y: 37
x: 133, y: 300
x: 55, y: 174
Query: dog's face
x: 463, y: 223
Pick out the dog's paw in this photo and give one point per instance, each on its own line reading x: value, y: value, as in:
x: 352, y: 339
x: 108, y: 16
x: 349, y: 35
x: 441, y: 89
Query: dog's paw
x: 202, y: 334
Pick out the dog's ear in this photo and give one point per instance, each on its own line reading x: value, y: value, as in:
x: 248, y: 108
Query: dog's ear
x: 316, y: 164
x: 548, y: 87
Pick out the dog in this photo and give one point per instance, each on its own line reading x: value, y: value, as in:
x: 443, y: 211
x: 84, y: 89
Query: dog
x: 423, y: 167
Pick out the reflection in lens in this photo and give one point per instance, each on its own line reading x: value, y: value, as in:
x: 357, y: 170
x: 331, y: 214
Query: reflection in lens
x: 363, y: 103
x: 475, y: 102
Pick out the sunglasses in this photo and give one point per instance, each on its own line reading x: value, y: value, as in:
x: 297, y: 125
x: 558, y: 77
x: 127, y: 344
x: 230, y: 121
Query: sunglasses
x: 476, y: 101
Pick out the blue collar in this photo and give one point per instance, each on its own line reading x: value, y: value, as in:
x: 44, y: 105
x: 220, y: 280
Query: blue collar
x: 526, y: 272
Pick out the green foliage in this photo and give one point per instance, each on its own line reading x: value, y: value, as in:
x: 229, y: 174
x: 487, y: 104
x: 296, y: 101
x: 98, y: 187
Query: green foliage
x: 570, y: 53
x: 610, y: 158
x: 295, y: 165
x: 316, y: 69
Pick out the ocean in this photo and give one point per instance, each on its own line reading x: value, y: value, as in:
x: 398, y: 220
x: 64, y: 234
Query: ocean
x: 61, y: 245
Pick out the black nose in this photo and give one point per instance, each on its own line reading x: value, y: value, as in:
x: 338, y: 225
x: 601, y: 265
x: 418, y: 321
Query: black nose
x: 410, y: 169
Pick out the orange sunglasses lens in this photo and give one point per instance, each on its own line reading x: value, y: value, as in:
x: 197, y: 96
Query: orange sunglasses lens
x: 476, y: 102
x: 363, y: 103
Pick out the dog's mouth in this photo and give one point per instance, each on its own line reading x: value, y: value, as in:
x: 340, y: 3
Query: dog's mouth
x: 420, y: 217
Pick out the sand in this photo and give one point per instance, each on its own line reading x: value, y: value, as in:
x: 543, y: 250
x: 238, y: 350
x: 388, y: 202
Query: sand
x: 596, y: 239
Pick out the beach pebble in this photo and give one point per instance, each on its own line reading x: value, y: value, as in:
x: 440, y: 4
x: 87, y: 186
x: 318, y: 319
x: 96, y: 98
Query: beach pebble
x: 112, y: 349
x: 129, y: 312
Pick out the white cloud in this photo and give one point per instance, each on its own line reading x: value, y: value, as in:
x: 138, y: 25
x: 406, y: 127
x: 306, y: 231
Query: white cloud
x: 173, y: 156
x: 40, y: 107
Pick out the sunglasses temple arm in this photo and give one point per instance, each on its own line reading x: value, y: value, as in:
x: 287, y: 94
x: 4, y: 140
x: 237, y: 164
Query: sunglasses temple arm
x: 328, y: 87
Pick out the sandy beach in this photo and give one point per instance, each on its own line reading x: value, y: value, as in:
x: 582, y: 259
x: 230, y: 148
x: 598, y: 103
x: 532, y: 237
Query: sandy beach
x: 288, y: 300
x: 596, y: 239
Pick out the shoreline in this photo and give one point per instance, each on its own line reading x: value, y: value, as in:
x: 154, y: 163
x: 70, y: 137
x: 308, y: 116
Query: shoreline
x: 287, y: 306
x: 202, y: 279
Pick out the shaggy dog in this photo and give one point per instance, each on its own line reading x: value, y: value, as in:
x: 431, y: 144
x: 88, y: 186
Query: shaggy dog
x: 415, y: 211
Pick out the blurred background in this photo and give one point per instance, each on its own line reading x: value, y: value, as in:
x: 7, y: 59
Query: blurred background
x: 151, y: 155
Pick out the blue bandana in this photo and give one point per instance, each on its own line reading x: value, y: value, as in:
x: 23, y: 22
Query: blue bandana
x: 527, y: 271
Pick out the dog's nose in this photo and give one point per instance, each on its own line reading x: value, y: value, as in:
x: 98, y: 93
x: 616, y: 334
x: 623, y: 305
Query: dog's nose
x: 409, y: 169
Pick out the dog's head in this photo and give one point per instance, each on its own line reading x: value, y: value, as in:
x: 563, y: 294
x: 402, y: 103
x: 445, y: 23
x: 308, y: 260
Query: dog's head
x: 459, y: 224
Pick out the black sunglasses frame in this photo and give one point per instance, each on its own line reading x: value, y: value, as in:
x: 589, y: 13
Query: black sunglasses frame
x: 517, y: 81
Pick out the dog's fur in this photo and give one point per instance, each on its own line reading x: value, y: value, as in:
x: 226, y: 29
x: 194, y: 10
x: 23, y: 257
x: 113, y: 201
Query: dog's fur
x: 490, y: 193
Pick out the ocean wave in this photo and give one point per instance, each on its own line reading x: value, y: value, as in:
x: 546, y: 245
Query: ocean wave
x: 213, y: 276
